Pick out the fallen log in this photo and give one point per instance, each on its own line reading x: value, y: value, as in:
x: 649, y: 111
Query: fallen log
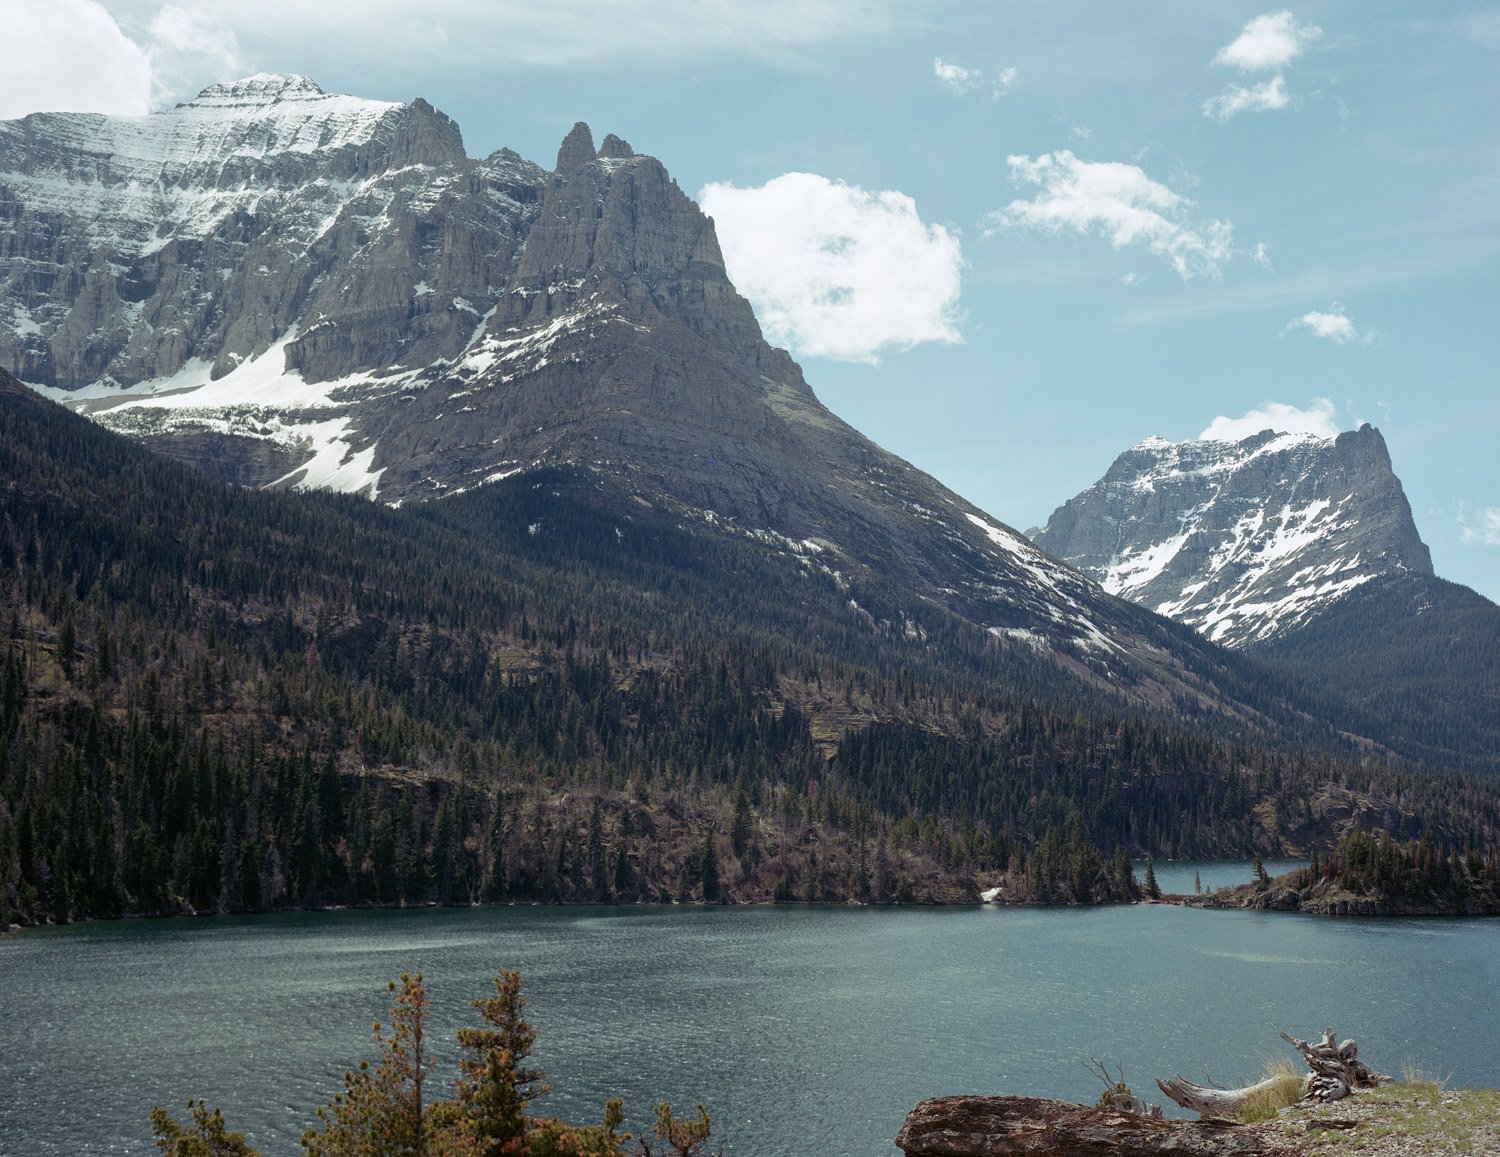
x: 1035, y: 1127
x: 1211, y: 1102
x: 1335, y: 1072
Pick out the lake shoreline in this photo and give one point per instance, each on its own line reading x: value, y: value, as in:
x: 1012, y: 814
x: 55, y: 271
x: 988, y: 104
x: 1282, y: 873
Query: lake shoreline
x: 1242, y: 898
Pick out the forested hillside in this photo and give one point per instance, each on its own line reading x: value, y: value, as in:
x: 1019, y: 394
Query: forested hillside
x: 1417, y: 658
x: 218, y: 699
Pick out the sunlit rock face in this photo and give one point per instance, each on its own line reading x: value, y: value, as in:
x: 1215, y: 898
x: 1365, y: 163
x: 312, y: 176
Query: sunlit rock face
x: 1247, y: 540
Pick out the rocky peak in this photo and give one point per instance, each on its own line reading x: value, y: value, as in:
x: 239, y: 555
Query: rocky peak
x: 256, y: 91
x: 615, y: 149
x: 618, y: 225
x: 576, y: 151
x: 1244, y: 540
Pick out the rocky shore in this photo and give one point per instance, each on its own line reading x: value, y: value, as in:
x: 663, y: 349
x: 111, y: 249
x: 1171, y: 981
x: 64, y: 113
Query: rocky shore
x: 1403, y: 1120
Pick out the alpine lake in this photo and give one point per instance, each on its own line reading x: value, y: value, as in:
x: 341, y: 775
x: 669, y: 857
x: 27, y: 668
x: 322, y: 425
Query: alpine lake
x: 805, y: 1030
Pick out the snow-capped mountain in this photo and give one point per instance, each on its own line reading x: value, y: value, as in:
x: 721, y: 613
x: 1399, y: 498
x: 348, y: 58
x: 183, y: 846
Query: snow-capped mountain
x: 290, y: 288
x: 1245, y: 541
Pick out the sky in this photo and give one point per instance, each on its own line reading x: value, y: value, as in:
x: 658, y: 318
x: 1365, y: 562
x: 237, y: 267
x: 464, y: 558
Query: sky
x: 1005, y: 240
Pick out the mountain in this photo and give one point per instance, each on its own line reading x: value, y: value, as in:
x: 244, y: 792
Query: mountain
x: 1301, y: 551
x: 1245, y: 541
x: 292, y: 289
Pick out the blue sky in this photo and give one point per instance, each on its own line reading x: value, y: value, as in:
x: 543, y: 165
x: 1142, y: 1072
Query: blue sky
x: 1005, y: 240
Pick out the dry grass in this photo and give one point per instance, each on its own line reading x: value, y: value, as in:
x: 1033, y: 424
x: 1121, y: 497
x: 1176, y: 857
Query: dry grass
x: 1288, y: 1083
x: 1419, y: 1080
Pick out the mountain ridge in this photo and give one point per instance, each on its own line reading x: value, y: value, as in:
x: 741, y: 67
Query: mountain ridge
x: 431, y: 328
x: 1243, y: 540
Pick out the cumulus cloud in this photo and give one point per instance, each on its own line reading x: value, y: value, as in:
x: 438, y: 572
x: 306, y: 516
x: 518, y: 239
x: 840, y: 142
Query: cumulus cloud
x: 956, y: 78
x: 1334, y: 325
x: 1267, y: 43
x: 1118, y: 202
x: 1481, y: 528
x: 1235, y: 99
x: 1317, y: 419
x: 835, y: 271
x: 69, y: 56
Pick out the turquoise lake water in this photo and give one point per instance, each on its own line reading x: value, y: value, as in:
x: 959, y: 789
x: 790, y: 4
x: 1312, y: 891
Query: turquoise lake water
x: 805, y: 1030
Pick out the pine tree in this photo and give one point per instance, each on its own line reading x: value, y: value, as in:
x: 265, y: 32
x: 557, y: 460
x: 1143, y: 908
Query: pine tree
x: 208, y: 1136
x: 495, y: 1084
x: 710, y: 869
x: 380, y: 1110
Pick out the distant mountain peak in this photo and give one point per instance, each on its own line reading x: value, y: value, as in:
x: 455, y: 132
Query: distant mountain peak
x: 261, y: 89
x: 1244, y: 540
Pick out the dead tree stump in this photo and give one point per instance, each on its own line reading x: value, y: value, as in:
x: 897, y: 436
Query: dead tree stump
x: 1335, y: 1072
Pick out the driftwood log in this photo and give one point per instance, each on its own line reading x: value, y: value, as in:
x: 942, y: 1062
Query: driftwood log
x: 1335, y: 1071
x: 1034, y: 1127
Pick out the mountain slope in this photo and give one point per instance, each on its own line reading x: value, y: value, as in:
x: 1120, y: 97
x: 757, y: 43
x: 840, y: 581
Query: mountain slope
x: 213, y: 698
x: 1416, y: 656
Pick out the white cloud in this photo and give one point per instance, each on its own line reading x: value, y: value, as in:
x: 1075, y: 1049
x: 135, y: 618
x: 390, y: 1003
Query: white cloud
x: 1119, y: 202
x: 69, y: 56
x: 956, y: 78
x: 1264, y: 97
x: 1268, y: 42
x: 403, y: 38
x: 1483, y: 529
x: 1334, y: 325
x: 1262, y: 255
x: 1317, y: 419
x: 189, y: 50
x: 835, y: 271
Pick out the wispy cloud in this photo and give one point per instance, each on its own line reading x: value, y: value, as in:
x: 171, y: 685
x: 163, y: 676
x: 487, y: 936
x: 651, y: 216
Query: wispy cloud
x: 1268, y: 95
x: 1482, y: 528
x: 189, y: 48
x: 958, y: 79
x: 1316, y: 419
x: 561, y: 33
x: 835, y: 271
x: 1333, y: 325
x: 1267, y: 43
x: 128, y: 55
x: 1262, y: 255
x: 1116, y: 201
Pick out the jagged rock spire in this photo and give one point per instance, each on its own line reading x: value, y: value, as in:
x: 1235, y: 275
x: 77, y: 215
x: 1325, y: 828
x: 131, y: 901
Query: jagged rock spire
x: 614, y: 148
x: 577, y: 149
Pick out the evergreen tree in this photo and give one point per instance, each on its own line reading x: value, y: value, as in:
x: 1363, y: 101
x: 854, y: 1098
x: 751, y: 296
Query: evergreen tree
x: 207, y: 1136
x: 710, y: 869
x: 380, y: 1110
x: 495, y: 1084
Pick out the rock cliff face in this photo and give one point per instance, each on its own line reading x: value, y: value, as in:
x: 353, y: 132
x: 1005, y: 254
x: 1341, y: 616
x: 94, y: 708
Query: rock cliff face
x: 290, y: 288
x: 1245, y: 541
